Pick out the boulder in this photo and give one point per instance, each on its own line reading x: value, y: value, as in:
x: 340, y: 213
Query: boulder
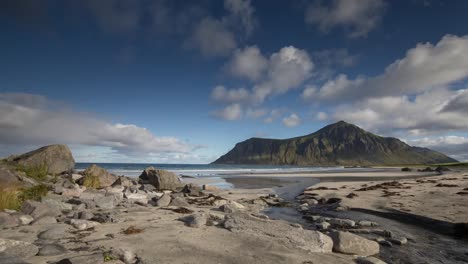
x: 38, y: 210
x: 106, y: 179
x: 138, y: 198
x: 348, y: 243
x: 278, y: 231
x: 179, y: 202
x: 15, y: 248
x: 57, y: 158
x: 52, y: 250
x: 81, y: 224
x: 25, y: 219
x: 195, y: 220
x: 164, y: 201
x: 231, y: 207
x: 122, y: 181
x: 7, y: 220
x: 161, y: 179
x: 192, y: 190
x: 45, y: 220
x: 342, y: 222
x: 56, y: 232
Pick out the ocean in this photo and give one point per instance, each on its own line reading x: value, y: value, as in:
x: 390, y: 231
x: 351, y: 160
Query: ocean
x: 213, y: 171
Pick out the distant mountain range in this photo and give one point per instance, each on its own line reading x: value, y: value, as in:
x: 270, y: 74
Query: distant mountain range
x: 340, y: 143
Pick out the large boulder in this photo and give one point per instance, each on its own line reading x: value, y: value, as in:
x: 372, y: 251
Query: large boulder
x: 57, y: 158
x: 161, y: 179
x: 280, y: 231
x: 15, y: 248
x: 345, y: 242
x: 106, y: 179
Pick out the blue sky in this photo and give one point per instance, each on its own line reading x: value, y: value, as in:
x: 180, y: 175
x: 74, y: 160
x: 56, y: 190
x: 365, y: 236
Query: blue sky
x: 183, y: 81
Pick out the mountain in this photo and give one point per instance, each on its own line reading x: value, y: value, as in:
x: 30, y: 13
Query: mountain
x: 340, y: 143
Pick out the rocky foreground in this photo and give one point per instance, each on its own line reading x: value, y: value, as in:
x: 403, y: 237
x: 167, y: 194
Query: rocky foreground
x: 94, y: 216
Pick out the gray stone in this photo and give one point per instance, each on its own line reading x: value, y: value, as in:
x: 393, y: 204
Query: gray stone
x: 195, y: 220
x: 192, y: 189
x: 52, y: 250
x: 38, y: 210
x: 106, y: 179
x: 278, y: 231
x: 139, y: 198
x: 398, y: 240
x: 57, y: 158
x: 106, y: 202
x: 365, y: 223
x: 342, y: 222
x: 180, y: 202
x: 322, y: 225
x: 105, y: 218
x: 122, y: 181
x: 81, y: 224
x: 25, y: 219
x: 57, y: 205
x: 12, y: 260
x: 16, y: 248
x: 147, y: 188
x: 45, y: 220
x: 93, y: 258
x: 7, y: 220
x: 161, y: 179
x: 232, y: 207
x: 85, y: 215
x: 164, y: 200
x: 369, y: 260
x: 56, y: 232
x: 348, y: 243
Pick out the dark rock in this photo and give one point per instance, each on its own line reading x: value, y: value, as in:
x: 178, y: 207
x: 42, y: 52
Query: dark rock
x: 161, y: 179
x: 406, y: 169
x: 334, y: 200
x: 195, y: 220
x: 57, y: 158
x: 7, y: 220
x: 52, y: 250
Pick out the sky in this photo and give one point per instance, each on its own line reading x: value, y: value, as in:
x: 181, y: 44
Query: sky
x: 183, y: 81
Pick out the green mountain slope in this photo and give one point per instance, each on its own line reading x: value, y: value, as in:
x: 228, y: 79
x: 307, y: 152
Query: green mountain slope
x: 336, y: 144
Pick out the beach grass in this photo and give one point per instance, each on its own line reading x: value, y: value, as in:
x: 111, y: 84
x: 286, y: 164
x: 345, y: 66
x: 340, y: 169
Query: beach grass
x: 38, y: 172
x: 9, y: 198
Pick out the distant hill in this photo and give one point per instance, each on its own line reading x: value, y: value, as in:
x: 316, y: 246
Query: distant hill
x: 340, y: 143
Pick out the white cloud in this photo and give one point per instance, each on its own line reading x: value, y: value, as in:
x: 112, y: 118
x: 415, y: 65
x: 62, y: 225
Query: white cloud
x: 454, y: 146
x: 248, y: 63
x: 223, y: 95
x: 423, y: 68
x: 34, y: 120
x: 241, y: 13
x: 256, y: 113
x: 321, y: 116
x: 230, y: 113
x: 212, y: 38
x: 423, y: 114
x: 292, y: 120
x: 358, y: 16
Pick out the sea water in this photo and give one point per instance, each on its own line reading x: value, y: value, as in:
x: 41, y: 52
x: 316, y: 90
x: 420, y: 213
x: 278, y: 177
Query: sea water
x: 215, y: 172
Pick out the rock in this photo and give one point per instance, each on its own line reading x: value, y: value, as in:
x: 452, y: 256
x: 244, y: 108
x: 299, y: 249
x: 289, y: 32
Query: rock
x: 52, y: 250
x: 57, y: 205
x: 106, y: 202
x: 398, y: 240
x: 385, y: 243
x: 84, y: 215
x: 147, y: 188
x: 56, y: 232
x: 7, y: 220
x: 278, y: 231
x: 57, y: 158
x: 322, y: 225
x: 161, y: 179
x: 106, y: 179
x: 38, y: 210
x: 195, y: 220
x: 232, y: 207
x: 126, y: 255
x: 192, y: 189
x: 369, y: 260
x: 342, y: 222
x: 122, y: 181
x: 85, y: 259
x: 210, y: 188
x: 16, y: 248
x: 139, y: 198
x: 45, y: 220
x: 25, y: 219
x: 179, y: 202
x: 345, y: 242
x: 365, y: 223
x: 219, y: 202
x: 105, y: 218
x: 75, y: 176
x: 310, y: 201
x: 164, y: 200
x: 83, y: 224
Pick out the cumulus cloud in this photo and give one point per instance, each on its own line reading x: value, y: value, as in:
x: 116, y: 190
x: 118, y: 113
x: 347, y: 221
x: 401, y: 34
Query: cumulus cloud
x: 285, y: 70
x: 424, y: 67
x: 248, y: 63
x: 423, y: 114
x: 359, y: 17
x: 34, y: 120
x: 222, y: 95
x: 217, y: 36
x: 292, y: 120
x: 321, y: 116
x: 116, y: 15
x: 230, y: 113
x: 454, y: 146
